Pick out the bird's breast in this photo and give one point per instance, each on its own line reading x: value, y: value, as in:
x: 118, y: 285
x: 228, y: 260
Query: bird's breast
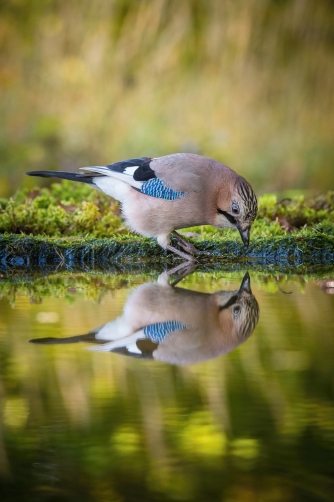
x: 152, y: 216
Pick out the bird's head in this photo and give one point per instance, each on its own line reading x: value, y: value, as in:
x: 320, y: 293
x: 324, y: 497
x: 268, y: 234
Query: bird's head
x: 239, y: 309
x: 237, y: 208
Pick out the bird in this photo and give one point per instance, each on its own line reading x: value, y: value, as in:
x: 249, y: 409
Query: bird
x: 162, y: 195
x: 175, y: 325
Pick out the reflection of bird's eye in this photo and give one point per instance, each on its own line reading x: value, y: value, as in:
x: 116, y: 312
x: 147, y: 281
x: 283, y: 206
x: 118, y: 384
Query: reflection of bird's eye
x: 236, y: 310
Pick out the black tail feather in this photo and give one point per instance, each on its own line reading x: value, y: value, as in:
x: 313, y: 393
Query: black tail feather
x: 89, y: 337
x: 81, y: 177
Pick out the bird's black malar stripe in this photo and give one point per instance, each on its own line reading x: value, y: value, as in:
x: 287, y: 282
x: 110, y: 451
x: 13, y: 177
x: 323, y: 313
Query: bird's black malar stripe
x: 228, y: 216
x: 231, y: 301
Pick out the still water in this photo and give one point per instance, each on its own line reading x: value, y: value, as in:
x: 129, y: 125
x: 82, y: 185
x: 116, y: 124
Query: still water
x: 217, y: 389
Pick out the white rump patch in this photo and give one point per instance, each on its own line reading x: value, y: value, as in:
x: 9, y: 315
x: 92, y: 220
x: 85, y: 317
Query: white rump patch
x: 113, y: 187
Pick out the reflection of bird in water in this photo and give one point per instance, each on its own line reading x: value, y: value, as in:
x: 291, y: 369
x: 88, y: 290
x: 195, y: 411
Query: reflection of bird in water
x: 176, y: 325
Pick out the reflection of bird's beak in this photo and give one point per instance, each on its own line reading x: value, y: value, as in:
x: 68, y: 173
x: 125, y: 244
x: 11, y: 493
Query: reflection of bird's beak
x: 244, y: 235
x: 245, y: 284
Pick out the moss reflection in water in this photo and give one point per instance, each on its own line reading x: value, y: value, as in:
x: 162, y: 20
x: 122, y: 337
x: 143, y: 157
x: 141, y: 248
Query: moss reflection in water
x: 255, y: 424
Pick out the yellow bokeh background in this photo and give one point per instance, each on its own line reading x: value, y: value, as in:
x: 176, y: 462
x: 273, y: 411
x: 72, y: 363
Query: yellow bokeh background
x: 248, y: 83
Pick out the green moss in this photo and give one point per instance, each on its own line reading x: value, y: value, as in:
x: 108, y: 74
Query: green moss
x: 74, y: 226
x: 64, y: 209
x: 68, y: 209
x: 297, y: 212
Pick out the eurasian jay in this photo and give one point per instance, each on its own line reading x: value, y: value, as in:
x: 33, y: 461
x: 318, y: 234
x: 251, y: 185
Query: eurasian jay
x: 175, y: 325
x: 161, y: 195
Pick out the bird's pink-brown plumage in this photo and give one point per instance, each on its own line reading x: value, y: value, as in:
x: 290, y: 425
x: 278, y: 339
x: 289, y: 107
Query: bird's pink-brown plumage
x: 208, y: 185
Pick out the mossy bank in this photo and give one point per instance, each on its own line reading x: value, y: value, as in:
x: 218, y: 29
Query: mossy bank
x: 74, y: 227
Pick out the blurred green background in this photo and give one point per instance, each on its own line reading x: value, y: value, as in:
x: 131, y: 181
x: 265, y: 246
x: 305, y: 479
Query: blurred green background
x: 249, y: 83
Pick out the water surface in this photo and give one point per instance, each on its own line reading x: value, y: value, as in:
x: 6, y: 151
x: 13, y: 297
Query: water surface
x: 218, y: 393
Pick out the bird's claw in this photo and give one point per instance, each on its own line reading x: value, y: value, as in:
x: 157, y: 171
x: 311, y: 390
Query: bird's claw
x: 188, y: 248
x: 185, y: 256
x: 185, y: 245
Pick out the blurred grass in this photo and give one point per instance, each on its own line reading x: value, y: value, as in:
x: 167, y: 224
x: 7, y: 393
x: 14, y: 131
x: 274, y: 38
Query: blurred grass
x: 249, y: 83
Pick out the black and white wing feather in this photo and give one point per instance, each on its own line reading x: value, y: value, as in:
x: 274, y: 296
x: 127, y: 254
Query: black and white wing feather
x: 126, y: 171
x: 140, y: 174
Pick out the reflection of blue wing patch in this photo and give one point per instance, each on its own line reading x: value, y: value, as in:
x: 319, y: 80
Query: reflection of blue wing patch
x: 155, y: 188
x: 157, y: 332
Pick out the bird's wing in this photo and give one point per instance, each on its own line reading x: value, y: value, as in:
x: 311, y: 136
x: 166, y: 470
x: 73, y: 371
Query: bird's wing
x: 156, y: 333
x: 170, y: 177
x: 142, y: 349
x: 182, y: 171
x: 123, y: 170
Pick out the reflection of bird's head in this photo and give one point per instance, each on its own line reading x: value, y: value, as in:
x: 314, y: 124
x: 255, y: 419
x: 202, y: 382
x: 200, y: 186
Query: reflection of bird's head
x: 239, y: 309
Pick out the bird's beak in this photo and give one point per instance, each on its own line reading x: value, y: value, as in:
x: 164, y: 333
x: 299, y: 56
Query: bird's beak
x: 244, y: 235
x: 245, y: 284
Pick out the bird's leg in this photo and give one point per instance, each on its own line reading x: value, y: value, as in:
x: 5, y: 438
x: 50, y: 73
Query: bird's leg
x: 164, y: 241
x: 183, y: 255
x: 187, y: 246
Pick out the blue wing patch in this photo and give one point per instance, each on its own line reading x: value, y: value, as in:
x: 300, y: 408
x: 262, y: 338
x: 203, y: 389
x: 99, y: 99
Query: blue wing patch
x: 158, y: 332
x: 155, y: 188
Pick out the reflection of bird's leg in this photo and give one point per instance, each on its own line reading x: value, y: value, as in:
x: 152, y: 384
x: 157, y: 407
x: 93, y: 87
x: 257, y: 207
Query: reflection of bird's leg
x: 181, y: 271
x: 187, y: 246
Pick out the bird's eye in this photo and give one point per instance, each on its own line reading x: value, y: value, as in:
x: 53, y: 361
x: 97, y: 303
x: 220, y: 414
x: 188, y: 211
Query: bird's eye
x: 236, y: 310
x: 235, y: 209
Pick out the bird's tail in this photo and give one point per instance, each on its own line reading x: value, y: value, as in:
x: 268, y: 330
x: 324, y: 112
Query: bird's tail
x: 81, y: 177
x: 89, y: 337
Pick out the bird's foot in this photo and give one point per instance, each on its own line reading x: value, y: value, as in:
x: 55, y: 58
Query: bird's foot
x: 187, y: 246
x: 185, y: 256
